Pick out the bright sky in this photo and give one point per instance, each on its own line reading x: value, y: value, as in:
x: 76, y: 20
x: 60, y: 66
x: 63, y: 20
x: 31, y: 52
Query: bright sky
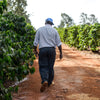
x: 42, y: 9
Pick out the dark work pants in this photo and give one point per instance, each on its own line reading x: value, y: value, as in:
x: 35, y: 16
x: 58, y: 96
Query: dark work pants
x: 46, y: 64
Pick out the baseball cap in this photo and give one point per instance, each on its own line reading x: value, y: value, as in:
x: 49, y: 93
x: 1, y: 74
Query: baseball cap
x: 50, y: 20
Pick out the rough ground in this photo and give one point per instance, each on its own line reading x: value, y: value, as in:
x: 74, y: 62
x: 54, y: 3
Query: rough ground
x: 77, y: 77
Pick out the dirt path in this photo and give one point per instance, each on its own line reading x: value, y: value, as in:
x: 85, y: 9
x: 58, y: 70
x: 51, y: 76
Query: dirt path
x: 77, y: 77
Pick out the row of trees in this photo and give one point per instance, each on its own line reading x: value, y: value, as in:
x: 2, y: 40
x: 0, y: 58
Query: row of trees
x: 84, y: 19
x: 16, y: 46
x: 85, y: 36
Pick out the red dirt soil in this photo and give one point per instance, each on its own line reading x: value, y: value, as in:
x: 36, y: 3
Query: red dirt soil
x: 77, y: 77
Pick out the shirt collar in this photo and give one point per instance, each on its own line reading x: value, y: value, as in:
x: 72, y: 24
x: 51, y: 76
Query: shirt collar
x: 48, y: 25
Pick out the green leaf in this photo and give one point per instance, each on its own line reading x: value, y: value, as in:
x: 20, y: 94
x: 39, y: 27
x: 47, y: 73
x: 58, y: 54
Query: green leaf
x: 32, y: 70
x: 1, y: 10
x: 16, y: 89
x: 31, y: 62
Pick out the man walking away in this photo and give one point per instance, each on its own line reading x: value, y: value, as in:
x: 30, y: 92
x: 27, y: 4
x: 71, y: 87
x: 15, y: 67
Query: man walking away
x: 48, y: 38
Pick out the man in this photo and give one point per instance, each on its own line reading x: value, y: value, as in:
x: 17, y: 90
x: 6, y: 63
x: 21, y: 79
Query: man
x: 48, y: 38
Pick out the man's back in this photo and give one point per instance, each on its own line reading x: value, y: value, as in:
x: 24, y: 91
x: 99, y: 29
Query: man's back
x: 47, y: 36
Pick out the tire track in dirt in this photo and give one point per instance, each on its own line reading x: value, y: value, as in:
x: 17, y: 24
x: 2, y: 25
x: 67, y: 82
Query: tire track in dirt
x: 77, y: 77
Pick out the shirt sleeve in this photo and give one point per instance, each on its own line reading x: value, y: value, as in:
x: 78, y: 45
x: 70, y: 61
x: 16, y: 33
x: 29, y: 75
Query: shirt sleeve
x: 58, y: 41
x: 36, y: 40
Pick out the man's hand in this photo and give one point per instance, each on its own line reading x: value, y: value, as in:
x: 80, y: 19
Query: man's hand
x: 36, y: 53
x: 61, y: 56
x: 60, y: 50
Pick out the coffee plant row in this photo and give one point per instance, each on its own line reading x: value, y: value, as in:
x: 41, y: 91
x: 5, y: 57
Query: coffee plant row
x: 83, y: 37
x: 16, y: 52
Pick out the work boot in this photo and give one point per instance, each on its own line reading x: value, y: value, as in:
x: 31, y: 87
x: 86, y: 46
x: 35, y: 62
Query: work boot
x: 44, y: 86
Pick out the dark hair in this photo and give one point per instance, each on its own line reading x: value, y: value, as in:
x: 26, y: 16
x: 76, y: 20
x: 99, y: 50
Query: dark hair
x: 48, y: 22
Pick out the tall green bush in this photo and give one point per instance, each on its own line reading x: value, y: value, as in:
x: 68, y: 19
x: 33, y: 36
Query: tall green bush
x: 61, y: 33
x: 83, y: 31
x: 94, y: 37
x: 16, y: 51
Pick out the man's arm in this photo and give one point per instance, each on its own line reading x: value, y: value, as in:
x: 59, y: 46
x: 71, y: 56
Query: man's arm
x: 59, y: 44
x: 36, y: 41
x: 60, y: 50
